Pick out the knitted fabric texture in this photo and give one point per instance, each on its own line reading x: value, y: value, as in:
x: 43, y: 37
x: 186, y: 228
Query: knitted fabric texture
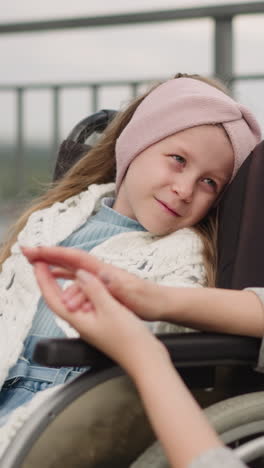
x: 179, y: 104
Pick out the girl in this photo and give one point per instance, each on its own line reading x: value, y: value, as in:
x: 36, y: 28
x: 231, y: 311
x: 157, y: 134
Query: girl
x: 173, y: 151
x: 186, y: 436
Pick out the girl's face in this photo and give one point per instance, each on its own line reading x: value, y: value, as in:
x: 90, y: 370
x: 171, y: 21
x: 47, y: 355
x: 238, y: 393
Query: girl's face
x: 173, y: 183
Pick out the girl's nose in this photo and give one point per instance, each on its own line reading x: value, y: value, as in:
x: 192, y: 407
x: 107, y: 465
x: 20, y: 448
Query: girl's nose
x: 184, y: 190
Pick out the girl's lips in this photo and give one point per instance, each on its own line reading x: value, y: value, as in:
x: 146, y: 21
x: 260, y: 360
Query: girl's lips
x: 173, y: 212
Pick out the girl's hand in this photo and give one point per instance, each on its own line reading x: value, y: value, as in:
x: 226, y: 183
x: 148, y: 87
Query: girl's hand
x: 108, y: 325
x: 147, y: 299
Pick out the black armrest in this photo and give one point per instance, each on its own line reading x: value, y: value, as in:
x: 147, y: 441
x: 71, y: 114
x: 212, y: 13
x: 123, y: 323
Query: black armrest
x: 186, y: 350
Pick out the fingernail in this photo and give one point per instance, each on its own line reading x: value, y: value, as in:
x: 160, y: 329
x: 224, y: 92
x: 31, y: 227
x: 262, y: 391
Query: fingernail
x: 83, y: 275
x: 71, y: 305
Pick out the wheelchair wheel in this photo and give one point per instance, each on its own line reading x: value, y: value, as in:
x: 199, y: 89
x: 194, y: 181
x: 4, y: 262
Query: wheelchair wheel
x: 238, y: 418
x: 97, y: 421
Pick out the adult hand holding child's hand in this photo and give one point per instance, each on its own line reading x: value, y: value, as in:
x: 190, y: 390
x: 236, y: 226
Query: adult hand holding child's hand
x: 148, y: 300
x: 100, y: 319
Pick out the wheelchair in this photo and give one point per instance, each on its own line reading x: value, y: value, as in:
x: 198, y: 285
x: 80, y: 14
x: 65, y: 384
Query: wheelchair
x: 74, y: 427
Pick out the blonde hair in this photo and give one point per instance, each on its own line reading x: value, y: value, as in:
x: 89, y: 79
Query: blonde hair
x: 98, y: 167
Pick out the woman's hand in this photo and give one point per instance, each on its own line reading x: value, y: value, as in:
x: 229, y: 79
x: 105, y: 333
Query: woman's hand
x: 147, y: 299
x: 108, y: 325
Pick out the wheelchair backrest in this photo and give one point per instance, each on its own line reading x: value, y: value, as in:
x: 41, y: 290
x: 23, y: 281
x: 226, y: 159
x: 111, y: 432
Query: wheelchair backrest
x: 241, y: 227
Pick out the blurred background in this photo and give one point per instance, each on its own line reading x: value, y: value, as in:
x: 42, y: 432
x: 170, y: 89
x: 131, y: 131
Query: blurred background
x: 61, y: 60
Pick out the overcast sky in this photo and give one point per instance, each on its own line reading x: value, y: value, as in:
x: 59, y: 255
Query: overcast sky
x: 143, y: 51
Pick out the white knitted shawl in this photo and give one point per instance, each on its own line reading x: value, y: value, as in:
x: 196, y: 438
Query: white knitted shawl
x: 175, y: 259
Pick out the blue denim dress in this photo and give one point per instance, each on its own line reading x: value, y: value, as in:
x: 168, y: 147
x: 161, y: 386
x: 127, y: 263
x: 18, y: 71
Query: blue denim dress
x: 27, y: 378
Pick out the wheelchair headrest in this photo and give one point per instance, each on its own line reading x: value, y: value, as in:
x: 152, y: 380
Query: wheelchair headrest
x: 94, y: 123
x: 75, y: 145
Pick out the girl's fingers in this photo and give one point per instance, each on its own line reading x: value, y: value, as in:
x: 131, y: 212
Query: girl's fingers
x: 94, y: 290
x: 71, y: 259
x: 65, y: 273
x: 70, y: 292
x: 50, y: 289
x: 73, y: 297
x: 76, y: 302
x: 101, y: 320
x: 64, y: 257
x: 143, y: 297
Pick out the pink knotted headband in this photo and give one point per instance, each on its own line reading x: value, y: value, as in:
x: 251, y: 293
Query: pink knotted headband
x: 179, y: 104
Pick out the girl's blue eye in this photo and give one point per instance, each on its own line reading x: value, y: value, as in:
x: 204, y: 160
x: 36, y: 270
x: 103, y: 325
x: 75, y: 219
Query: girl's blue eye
x: 210, y: 182
x: 178, y: 158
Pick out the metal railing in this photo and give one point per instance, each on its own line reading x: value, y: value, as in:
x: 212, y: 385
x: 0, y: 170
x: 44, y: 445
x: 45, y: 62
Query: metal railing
x: 222, y: 15
x: 56, y: 89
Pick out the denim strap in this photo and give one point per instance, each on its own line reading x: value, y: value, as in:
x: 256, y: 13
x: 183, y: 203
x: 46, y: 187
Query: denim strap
x: 46, y: 374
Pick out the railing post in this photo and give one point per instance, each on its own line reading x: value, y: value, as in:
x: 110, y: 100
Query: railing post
x: 94, y: 89
x: 19, y: 169
x: 223, y: 49
x: 134, y: 89
x: 55, y: 120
